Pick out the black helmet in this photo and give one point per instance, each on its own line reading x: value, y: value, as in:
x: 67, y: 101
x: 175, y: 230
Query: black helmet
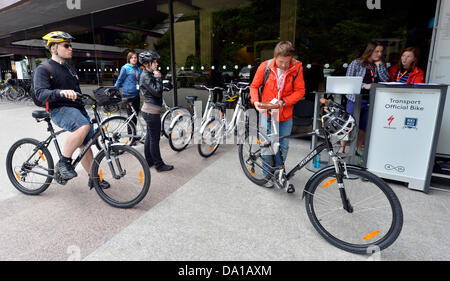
x: 148, y: 56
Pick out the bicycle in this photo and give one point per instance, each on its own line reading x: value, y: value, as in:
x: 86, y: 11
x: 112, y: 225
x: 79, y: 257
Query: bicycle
x: 30, y: 166
x: 123, y: 129
x: 349, y: 206
x: 215, y: 130
x: 10, y: 92
x: 181, y: 130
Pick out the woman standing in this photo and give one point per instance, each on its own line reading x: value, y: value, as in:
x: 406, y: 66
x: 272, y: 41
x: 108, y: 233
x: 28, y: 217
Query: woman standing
x: 128, y: 80
x: 373, y: 70
x: 151, y: 87
x: 406, y: 71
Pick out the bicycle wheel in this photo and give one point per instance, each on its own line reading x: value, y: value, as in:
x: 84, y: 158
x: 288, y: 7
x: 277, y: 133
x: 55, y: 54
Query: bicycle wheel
x: 211, y: 138
x: 251, y: 159
x: 127, y: 173
x: 374, y: 220
x: 168, y: 117
x: 30, y: 169
x: 117, y: 130
x: 181, y: 133
x: 11, y: 94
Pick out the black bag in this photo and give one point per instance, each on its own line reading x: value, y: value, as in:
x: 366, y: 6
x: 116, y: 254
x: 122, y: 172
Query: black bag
x: 107, y: 96
x: 50, y: 70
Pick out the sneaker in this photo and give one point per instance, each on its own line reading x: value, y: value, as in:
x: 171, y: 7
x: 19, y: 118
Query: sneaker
x: 164, y: 168
x: 103, y: 184
x: 65, y: 170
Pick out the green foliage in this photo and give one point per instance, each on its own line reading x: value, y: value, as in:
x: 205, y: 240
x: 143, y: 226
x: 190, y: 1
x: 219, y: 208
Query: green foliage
x: 131, y: 41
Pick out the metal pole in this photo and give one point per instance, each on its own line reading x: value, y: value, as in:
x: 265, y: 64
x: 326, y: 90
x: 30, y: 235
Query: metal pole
x: 172, y: 54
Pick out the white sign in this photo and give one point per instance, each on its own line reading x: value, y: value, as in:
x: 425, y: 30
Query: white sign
x: 402, y: 133
x: 440, y: 70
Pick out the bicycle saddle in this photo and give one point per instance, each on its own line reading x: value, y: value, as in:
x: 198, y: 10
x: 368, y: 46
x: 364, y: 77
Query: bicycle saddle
x: 222, y: 105
x: 191, y: 98
x: 40, y: 114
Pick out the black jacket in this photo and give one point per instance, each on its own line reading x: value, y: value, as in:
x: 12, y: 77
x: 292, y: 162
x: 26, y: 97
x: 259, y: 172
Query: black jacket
x: 151, y: 88
x: 48, y: 88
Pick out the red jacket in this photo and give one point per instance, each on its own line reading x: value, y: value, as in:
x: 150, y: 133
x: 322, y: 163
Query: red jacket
x: 291, y: 93
x: 416, y: 76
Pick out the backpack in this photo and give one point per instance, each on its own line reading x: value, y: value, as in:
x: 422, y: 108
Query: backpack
x: 49, y: 68
x: 266, y: 76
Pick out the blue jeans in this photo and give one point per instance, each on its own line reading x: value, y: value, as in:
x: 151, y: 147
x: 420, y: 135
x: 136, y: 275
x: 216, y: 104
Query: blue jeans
x: 71, y: 119
x: 284, y: 129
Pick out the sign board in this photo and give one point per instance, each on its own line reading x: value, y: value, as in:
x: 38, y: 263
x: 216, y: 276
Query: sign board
x: 439, y: 68
x: 402, y: 133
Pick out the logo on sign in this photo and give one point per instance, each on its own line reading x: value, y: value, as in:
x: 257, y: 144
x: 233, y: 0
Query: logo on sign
x: 390, y: 119
x: 390, y: 167
x: 411, y: 123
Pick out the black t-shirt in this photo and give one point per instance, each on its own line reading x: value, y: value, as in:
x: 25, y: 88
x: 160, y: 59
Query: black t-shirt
x: 369, y: 78
x: 48, y: 89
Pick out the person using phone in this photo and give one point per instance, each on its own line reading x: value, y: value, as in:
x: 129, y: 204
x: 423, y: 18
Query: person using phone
x: 283, y: 88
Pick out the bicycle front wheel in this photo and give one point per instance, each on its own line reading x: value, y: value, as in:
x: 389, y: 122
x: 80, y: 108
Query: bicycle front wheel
x: 371, y: 222
x: 181, y: 134
x: 168, y: 117
x: 211, y: 137
x: 127, y: 174
x: 29, y: 166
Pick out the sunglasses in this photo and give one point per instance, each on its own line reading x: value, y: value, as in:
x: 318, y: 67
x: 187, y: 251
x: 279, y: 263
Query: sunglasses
x: 67, y: 46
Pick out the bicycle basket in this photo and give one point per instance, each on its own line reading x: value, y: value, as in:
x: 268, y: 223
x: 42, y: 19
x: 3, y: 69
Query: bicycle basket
x: 338, y: 122
x: 107, y: 96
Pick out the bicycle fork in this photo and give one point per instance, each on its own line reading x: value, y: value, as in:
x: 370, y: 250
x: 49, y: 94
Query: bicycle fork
x: 341, y: 172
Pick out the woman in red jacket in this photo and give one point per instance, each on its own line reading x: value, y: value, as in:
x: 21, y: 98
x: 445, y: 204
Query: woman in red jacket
x: 406, y: 71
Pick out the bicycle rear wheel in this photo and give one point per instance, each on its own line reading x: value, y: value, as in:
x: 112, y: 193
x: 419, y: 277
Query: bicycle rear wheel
x: 127, y: 173
x: 211, y: 138
x: 30, y: 168
x: 117, y: 130
x: 167, y: 119
x: 251, y: 159
x: 181, y: 134
x: 372, y: 222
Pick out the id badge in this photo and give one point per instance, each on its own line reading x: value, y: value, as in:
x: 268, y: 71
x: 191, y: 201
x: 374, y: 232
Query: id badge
x: 137, y: 87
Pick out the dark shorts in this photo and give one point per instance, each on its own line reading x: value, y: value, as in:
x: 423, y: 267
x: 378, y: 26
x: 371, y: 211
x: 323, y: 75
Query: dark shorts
x: 71, y: 119
x: 364, y: 114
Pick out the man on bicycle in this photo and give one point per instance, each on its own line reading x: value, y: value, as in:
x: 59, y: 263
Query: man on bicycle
x: 56, y: 83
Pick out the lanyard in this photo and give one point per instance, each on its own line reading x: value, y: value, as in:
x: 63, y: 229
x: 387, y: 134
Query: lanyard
x: 280, y: 82
x: 137, y: 75
x: 400, y: 77
x: 371, y: 74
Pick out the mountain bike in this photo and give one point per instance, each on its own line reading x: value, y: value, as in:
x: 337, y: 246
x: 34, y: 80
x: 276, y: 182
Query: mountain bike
x: 181, y: 130
x: 30, y: 166
x: 215, y: 130
x: 350, y: 207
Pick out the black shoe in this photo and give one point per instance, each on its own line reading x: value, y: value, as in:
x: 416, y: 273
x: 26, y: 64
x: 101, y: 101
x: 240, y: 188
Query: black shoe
x: 103, y: 184
x: 164, y: 168
x: 65, y: 170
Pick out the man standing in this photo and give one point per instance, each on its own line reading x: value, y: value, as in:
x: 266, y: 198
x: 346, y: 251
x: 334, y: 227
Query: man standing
x: 284, y: 87
x: 56, y: 83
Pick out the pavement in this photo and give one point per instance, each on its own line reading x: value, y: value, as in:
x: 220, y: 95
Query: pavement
x: 205, y: 209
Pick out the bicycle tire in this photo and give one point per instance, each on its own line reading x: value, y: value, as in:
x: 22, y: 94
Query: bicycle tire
x: 182, y: 127
x: 18, y: 177
x: 210, y: 142
x: 124, y: 154
x: 251, y: 161
x: 11, y: 95
x: 116, y: 137
x: 366, y: 229
x: 167, y: 117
